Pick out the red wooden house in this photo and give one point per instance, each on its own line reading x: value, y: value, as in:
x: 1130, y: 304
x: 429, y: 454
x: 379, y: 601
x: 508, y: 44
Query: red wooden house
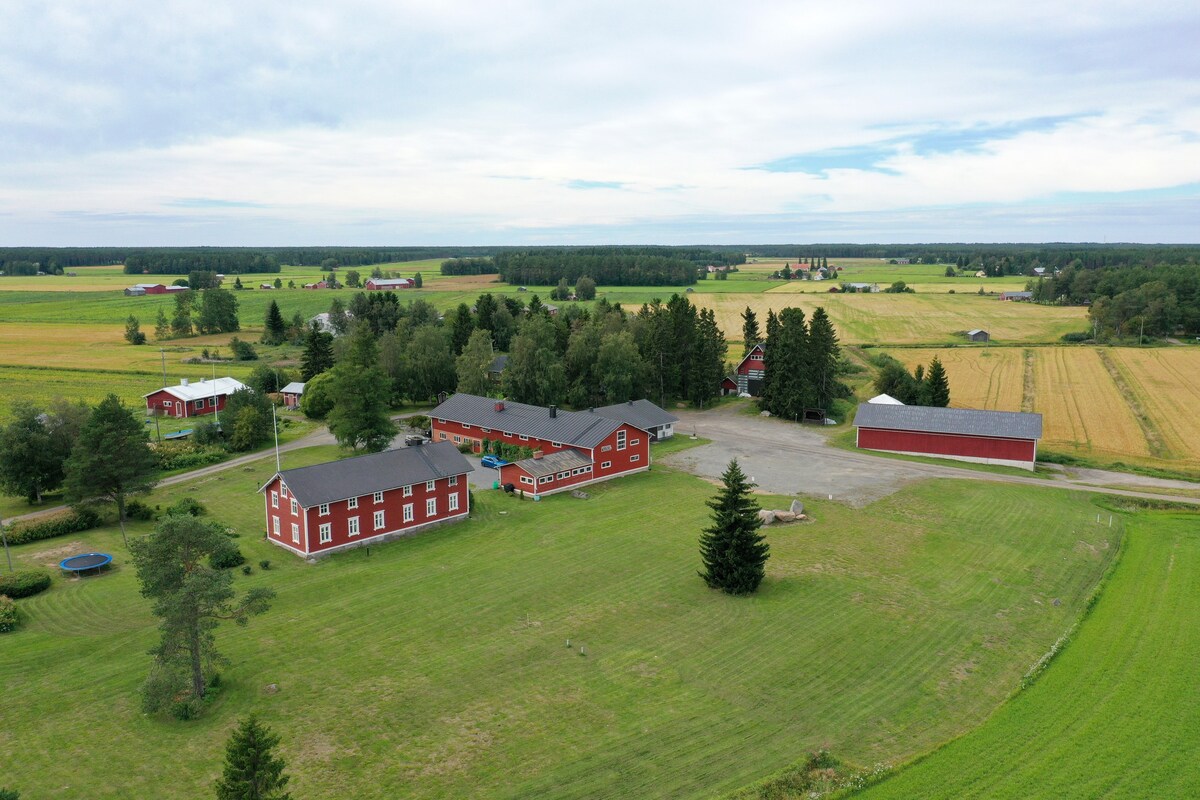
x: 750, y: 373
x: 193, y: 399
x: 571, y: 448
x: 987, y: 437
x: 317, y: 510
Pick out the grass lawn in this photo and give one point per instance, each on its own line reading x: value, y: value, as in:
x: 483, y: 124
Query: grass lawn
x: 437, y: 666
x: 1117, y: 714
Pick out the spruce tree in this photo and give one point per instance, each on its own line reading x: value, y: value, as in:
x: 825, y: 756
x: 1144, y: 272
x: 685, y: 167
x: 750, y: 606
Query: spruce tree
x: 824, y: 359
x: 734, y: 552
x: 274, y: 328
x: 751, y: 335
x: 418, y: 282
x: 252, y: 770
x: 162, y: 325
x: 318, y: 352
x: 937, y: 385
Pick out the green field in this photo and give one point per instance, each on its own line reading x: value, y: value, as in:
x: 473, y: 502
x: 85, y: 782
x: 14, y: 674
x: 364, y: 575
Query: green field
x: 1117, y: 714
x: 437, y: 666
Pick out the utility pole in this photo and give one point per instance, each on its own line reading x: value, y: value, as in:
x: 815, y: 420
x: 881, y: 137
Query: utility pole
x: 163, y: 353
x: 275, y: 425
x: 4, y: 536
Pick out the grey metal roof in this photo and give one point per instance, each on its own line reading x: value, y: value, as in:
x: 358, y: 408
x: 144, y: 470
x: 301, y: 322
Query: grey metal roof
x: 974, y: 331
x: 295, y: 387
x: 377, y: 472
x: 966, y: 421
x: 499, y: 363
x: 579, y: 428
x: 641, y: 414
x: 555, y: 462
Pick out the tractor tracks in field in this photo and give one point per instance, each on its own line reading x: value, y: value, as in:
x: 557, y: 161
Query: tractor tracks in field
x: 1154, y: 437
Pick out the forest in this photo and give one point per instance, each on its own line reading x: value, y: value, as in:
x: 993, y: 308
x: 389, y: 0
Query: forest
x: 609, y: 266
x: 1159, y: 300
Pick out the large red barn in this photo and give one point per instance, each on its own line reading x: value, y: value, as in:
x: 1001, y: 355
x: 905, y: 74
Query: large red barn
x: 338, y: 505
x: 193, y: 399
x: 750, y: 372
x: 986, y: 437
x: 600, y: 448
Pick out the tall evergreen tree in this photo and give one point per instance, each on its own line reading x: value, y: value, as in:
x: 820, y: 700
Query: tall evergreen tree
x: 162, y: 325
x: 788, y: 386
x: 937, y: 384
x: 460, y: 327
x: 824, y: 360
x: 112, y: 458
x: 359, y: 418
x: 472, y: 366
x: 339, y: 320
x: 28, y: 464
x: 751, y: 335
x: 708, y: 359
x: 485, y: 314
x: 274, y: 328
x: 504, y: 327
x: 318, y: 352
x: 133, y: 331
x: 733, y: 551
x: 252, y: 770
x: 418, y: 281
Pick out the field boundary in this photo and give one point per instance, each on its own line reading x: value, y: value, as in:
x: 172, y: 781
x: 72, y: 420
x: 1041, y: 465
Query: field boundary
x: 1154, y: 437
x: 1028, y: 385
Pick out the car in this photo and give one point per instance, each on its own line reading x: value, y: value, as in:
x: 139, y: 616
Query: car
x: 414, y: 441
x: 495, y: 462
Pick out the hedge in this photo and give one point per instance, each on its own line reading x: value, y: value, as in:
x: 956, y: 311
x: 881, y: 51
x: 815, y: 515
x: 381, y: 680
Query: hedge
x: 74, y: 521
x: 8, y: 614
x: 24, y: 584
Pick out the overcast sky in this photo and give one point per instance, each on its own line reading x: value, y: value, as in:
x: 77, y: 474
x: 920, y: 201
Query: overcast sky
x: 258, y: 122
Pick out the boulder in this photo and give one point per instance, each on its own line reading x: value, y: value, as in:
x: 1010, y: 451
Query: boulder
x: 797, y: 507
x: 767, y: 517
x: 764, y: 413
x: 785, y: 516
x: 272, y: 688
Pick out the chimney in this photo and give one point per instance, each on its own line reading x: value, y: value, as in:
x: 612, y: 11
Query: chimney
x: 553, y: 412
x: 499, y: 405
x: 537, y: 454
x: 183, y: 382
x: 630, y: 402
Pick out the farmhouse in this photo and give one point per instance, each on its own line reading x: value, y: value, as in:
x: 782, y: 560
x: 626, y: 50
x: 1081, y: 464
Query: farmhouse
x: 317, y: 510
x: 987, y: 437
x: 192, y: 399
x: 139, y: 289
x: 643, y: 415
x: 292, y: 394
x: 750, y: 373
x: 978, y: 335
x: 317, y: 285
x: 605, y: 448
x: 1021, y: 296
x: 388, y: 283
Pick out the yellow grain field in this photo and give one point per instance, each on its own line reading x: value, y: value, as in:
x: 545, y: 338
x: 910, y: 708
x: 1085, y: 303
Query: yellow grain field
x: 1166, y: 382
x: 989, y: 378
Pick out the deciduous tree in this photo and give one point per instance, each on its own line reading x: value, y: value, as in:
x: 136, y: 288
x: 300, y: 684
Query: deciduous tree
x: 359, y: 418
x: 133, y: 331
x: 472, y: 366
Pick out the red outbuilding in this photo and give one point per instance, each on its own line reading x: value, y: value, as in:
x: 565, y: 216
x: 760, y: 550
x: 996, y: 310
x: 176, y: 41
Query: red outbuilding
x: 750, y: 373
x: 193, y: 399
x: 593, y: 447
x: 388, y: 283
x: 964, y: 434
x: 317, y: 510
x: 292, y: 393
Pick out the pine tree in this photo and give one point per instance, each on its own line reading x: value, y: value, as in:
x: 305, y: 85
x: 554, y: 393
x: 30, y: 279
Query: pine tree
x: 318, y: 353
x: 733, y: 551
x: 133, y: 331
x: 274, y: 328
x: 279, y: 283
x: 162, y: 325
x: 937, y: 385
x: 751, y: 335
x: 252, y: 770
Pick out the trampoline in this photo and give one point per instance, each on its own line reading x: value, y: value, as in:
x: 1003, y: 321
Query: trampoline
x: 85, y: 562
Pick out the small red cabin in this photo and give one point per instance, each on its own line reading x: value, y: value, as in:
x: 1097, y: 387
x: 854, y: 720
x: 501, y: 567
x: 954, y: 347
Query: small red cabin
x: 193, y: 399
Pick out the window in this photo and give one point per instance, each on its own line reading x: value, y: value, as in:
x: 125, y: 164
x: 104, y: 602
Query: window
x: 486, y: 430
x: 323, y: 510
x: 606, y: 448
x: 441, y: 420
x: 352, y: 527
x: 431, y: 507
x: 378, y: 520
x: 445, y: 436
x: 408, y: 491
x: 556, y: 444
x: 453, y: 481
x: 454, y: 502
x: 199, y: 404
x: 458, y: 440
x: 295, y: 533
x: 429, y: 486
x: 408, y: 512
x: 506, y: 433
x: 634, y: 458
x: 466, y: 427
x: 352, y: 503
x: 275, y: 525
x: 213, y: 402
x: 526, y: 479
x: 283, y: 491
x: 326, y: 532
x: 620, y: 440
x: 379, y: 497
x: 295, y: 507
x: 274, y: 499
x: 523, y: 438
x: 606, y: 465
x: 562, y: 475
x: 545, y: 479
x: 632, y: 442
x: 167, y: 403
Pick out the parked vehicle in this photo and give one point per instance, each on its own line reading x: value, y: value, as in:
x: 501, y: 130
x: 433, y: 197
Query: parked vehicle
x: 495, y: 462
x: 415, y: 440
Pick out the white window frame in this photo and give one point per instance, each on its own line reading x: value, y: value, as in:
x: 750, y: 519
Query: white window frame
x: 634, y: 458
x: 295, y: 507
x: 379, y: 521
x: 556, y: 444
x: 633, y: 442
x: 323, y: 510
x: 274, y: 499
x: 523, y: 438
x: 526, y: 479
x: 352, y: 528
x: 562, y: 475
x: 486, y: 430
x: 466, y: 427
x: 452, y: 480
x: 431, y: 507
x: 606, y: 465
x: 325, y: 532
x: 377, y: 497
x: 429, y: 486
x: 295, y: 533
x: 408, y: 491
x: 453, y: 502
x: 458, y: 440
x: 167, y: 404
x: 545, y: 479
x: 506, y: 433
x: 408, y: 512
x: 283, y: 491
x: 352, y: 504
x: 621, y: 437
x: 275, y: 526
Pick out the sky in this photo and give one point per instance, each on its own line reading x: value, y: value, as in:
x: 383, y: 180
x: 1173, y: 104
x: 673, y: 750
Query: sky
x: 474, y: 123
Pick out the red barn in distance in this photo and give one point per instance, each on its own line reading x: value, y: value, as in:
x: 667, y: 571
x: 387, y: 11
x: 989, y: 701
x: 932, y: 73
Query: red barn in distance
x: 192, y: 399
x: 388, y: 283
x: 317, y: 510
x: 571, y: 448
x: 963, y: 434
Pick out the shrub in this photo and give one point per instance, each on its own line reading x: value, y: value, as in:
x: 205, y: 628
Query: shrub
x: 187, y: 455
x: 8, y: 614
x: 207, y: 434
x: 264, y: 564
x: 247, y: 569
x: 227, y: 557
x: 188, y: 506
x: 78, y: 519
x: 465, y: 447
x: 136, y: 509
x: 1076, y: 337
x: 418, y: 422
x: 24, y: 584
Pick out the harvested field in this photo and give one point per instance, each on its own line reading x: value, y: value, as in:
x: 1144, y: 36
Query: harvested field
x: 1083, y: 410
x: 989, y: 378
x: 1167, y: 384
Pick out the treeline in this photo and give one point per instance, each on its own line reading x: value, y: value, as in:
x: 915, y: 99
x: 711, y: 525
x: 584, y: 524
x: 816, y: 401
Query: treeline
x: 184, y: 262
x: 801, y: 362
x: 1159, y: 300
x: 1011, y: 259
x: 918, y: 388
x: 645, y: 266
x: 239, y: 260
x: 469, y: 266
